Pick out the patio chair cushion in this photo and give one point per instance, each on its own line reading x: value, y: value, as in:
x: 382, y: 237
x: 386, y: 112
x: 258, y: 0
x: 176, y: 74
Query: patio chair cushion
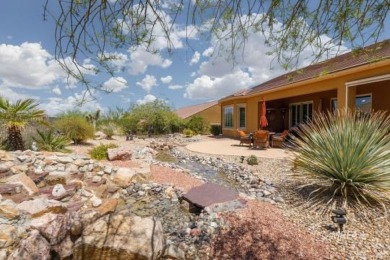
x: 244, y: 138
x: 261, y: 139
x: 278, y: 140
x: 241, y: 133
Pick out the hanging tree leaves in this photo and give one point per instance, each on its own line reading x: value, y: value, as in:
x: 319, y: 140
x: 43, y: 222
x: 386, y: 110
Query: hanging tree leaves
x: 95, y: 29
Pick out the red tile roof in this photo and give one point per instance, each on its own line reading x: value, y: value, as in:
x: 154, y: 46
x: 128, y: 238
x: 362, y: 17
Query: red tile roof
x: 186, y: 112
x: 369, y: 54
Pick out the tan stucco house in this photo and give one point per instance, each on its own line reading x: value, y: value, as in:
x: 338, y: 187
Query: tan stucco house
x: 210, y: 111
x: 358, y: 79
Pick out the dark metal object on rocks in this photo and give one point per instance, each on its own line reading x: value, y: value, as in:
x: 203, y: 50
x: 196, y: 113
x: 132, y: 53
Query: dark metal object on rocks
x: 339, y: 217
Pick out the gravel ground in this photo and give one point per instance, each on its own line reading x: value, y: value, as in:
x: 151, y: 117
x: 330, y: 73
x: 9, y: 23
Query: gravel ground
x: 285, y: 230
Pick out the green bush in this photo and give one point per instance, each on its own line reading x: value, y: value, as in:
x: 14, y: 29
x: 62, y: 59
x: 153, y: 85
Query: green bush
x: 48, y: 141
x: 198, y: 124
x: 100, y: 152
x: 188, y: 132
x: 75, y: 127
x: 344, y: 158
x: 252, y: 160
x: 109, y: 129
x: 215, y: 129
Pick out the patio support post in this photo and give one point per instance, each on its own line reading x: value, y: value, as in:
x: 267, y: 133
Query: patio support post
x: 351, y: 97
x: 342, y: 97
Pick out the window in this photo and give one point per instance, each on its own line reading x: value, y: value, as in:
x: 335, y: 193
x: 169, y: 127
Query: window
x: 242, y: 117
x: 362, y: 103
x: 228, y: 117
x: 301, y: 113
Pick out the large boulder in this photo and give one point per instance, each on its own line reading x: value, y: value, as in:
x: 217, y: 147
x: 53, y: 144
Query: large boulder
x: 23, y: 180
x: 123, y: 177
x: 121, y: 236
x: 118, y: 154
x: 39, y: 206
x: 32, y: 247
x: 54, y: 227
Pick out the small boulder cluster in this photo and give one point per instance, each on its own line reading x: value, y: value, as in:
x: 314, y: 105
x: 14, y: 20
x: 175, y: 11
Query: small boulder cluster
x: 56, y: 205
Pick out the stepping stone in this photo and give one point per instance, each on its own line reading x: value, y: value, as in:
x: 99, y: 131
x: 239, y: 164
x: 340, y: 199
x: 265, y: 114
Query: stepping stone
x: 209, y: 194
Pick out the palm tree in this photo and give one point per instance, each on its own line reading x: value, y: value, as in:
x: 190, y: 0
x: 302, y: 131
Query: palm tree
x: 15, y: 117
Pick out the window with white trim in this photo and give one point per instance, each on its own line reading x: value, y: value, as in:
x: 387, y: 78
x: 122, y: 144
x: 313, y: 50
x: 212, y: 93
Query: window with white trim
x: 228, y: 117
x: 301, y: 112
x: 241, y: 116
x: 362, y: 103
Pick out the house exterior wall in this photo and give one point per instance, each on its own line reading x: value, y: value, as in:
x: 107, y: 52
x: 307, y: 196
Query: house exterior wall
x: 320, y: 90
x: 211, y: 114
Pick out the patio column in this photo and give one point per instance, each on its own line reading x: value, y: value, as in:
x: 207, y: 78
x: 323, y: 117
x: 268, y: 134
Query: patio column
x: 346, y: 96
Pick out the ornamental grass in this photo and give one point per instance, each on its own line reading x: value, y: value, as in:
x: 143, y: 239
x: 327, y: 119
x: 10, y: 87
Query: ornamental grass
x: 343, y: 159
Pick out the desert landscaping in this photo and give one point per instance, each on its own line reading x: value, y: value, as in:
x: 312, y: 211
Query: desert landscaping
x: 67, y: 206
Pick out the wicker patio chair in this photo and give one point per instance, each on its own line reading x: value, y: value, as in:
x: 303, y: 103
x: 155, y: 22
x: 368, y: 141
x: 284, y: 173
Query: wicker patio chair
x: 261, y: 139
x: 244, y: 138
x: 278, y: 140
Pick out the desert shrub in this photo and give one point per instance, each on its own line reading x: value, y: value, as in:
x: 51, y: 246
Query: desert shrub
x: 188, y: 132
x: 100, y: 152
x: 48, y: 141
x: 198, y: 124
x: 75, y: 127
x: 109, y: 129
x: 252, y: 160
x: 215, y: 129
x: 344, y: 159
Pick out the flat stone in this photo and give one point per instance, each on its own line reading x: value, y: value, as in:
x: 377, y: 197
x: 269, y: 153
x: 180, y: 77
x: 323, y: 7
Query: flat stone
x: 40, y: 206
x: 64, y: 159
x: 7, y: 235
x: 8, y: 210
x: 56, y: 177
x: 209, y: 194
x: 5, y: 167
x: 108, y: 206
x: 10, y: 188
x: 118, y: 154
x: 23, y: 180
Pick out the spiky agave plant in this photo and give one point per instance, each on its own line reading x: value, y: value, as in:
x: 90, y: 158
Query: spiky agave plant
x: 344, y: 157
x: 48, y: 141
x: 15, y: 117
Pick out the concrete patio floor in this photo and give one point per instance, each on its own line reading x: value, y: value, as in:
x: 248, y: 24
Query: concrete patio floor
x: 228, y: 146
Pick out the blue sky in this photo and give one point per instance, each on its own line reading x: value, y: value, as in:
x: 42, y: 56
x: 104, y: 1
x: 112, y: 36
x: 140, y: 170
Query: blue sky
x: 188, y: 76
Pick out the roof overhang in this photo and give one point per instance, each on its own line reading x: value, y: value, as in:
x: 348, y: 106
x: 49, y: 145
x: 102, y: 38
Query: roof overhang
x: 368, y: 80
x: 341, y: 73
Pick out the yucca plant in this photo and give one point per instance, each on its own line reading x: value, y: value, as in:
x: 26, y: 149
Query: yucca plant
x: 15, y: 117
x: 48, y: 141
x: 344, y: 158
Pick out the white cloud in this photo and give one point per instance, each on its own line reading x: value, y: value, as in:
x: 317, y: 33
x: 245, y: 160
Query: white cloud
x: 147, y: 99
x: 116, y: 60
x: 115, y: 84
x: 218, y: 77
x: 208, y: 52
x: 195, y: 58
x: 166, y: 79
x: 56, y: 90
x: 205, y: 87
x: 12, y: 96
x: 148, y: 82
x: 55, y: 105
x: 173, y: 87
x: 28, y: 66
x: 140, y: 59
